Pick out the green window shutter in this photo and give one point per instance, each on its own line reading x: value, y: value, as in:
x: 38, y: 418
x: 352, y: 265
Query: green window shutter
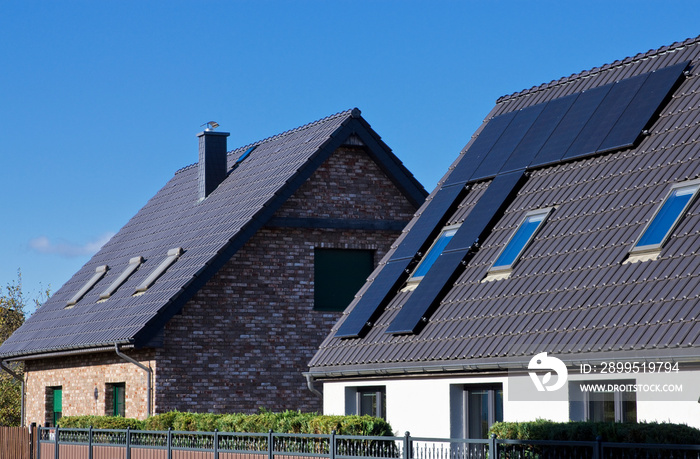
x: 57, y: 400
x: 338, y: 275
x: 118, y: 398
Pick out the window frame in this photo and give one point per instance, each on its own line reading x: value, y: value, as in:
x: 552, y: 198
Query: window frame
x: 586, y: 402
x: 637, y: 249
x: 353, y: 400
x: 545, y: 212
x: 416, y: 279
x: 115, y: 399
x: 492, y: 410
x: 52, y: 416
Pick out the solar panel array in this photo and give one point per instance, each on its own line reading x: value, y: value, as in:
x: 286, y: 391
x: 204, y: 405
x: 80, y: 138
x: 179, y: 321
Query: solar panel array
x: 605, y: 118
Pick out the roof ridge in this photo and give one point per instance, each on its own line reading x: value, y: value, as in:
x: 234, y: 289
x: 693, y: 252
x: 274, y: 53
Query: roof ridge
x: 353, y: 112
x: 595, y: 70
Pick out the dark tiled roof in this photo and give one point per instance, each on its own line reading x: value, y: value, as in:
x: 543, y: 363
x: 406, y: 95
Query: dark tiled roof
x: 570, y: 294
x: 209, y: 232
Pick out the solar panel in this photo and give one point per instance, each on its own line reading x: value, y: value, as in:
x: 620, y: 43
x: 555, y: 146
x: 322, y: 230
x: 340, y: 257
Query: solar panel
x: 479, y: 221
x: 372, y: 302
x: 428, y: 293
x: 549, y: 119
x: 506, y: 144
x: 606, y: 115
x: 492, y: 202
x: 431, y: 220
x: 479, y: 149
x: 569, y: 127
x: 642, y: 108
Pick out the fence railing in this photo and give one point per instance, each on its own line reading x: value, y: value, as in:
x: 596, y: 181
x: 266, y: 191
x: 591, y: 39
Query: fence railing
x: 137, y: 444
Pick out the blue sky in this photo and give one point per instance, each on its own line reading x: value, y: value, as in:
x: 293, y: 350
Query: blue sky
x: 100, y: 102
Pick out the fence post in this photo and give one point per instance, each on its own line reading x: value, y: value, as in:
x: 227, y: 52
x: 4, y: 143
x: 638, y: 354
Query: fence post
x: 37, y: 437
x: 128, y: 443
x: 493, y: 446
x: 270, y: 441
x: 216, y: 444
x: 55, y: 443
x: 598, y: 450
x: 331, y: 451
x: 170, y: 443
x: 90, y: 442
x: 407, y: 445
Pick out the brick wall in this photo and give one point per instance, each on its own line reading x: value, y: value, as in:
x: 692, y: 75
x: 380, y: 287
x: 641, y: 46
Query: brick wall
x: 82, y: 377
x: 244, y: 339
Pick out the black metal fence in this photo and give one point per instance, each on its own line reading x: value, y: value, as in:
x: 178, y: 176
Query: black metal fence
x: 136, y: 444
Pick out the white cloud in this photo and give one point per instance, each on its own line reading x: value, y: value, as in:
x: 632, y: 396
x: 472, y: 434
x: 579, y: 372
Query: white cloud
x: 42, y: 244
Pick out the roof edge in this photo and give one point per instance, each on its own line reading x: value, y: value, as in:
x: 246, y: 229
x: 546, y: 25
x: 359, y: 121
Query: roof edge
x: 596, y: 70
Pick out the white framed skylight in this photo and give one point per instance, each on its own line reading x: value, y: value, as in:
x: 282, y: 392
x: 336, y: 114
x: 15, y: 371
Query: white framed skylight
x: 527, y: 229
x: 134, y: 263
x: 173, y: 255
x: 99, y: 273
x: 667, y: 216
x: 434, y: 252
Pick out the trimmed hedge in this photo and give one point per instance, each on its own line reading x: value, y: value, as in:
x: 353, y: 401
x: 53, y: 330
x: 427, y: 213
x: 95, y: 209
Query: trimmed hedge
x: 641, y: 432
x: 284, y: 422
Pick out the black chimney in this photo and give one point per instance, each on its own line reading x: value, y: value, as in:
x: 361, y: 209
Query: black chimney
x: 212, y: 161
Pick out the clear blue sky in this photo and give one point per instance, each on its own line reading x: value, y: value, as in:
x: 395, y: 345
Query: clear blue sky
x: 101, y: 101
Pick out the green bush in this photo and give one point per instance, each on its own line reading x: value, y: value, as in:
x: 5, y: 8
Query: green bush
x: 100, y: 422
x: 641, y: 432
x: 264, y: 421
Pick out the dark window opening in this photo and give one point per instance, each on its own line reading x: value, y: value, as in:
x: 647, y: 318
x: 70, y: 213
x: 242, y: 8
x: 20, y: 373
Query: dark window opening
x: 54, y: 405
x: 602, y: 406
x: 370, y: 401
x: 338, y: 275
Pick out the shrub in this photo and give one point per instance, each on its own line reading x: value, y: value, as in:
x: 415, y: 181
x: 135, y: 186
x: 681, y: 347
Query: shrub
x: 642, y: 432
x: 100, y: 422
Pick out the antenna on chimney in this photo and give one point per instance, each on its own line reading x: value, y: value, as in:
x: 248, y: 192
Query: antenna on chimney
x: 210, y: 125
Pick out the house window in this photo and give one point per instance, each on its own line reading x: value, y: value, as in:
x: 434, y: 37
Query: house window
x: 54, y: 405
x: 483, y: 405
x: 370, y: 400
x: 434, y: 252
x: 667, y: 216
x: 338, y: 275
x: 604, y: 404
x: 520, y: 240
x: 115, y: 398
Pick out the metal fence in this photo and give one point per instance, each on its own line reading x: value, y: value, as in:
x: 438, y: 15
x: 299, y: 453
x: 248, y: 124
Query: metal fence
x: 136, y: 444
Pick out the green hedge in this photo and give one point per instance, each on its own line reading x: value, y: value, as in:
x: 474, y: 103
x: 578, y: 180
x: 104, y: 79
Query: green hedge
x: 284, y: 422
x: 641, y: 432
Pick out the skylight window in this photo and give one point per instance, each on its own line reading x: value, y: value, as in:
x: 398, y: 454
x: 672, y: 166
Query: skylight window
x: 519, y: 241
x: 434, y: 252
x: 173, y: 255
x: 99, y: 272
x: 667, y: 216
x: 245, y: 154
x: 134, y: 263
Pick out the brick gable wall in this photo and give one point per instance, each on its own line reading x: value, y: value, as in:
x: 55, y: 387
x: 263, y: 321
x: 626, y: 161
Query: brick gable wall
x: 243, y: 341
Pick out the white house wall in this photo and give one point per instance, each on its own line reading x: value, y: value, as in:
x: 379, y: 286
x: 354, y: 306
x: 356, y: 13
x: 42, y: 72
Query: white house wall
x: 421, y: 406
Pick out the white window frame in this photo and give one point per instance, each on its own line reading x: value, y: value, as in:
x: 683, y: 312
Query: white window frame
x: 416, y: 279
x: 507, y: 268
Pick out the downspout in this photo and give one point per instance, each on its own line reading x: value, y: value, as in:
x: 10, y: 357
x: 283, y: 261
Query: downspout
x: 310, y: 384
x: 149, y: 374
x: 21, y: 380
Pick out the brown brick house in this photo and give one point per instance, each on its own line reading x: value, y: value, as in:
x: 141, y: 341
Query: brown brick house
x: 215, y: 295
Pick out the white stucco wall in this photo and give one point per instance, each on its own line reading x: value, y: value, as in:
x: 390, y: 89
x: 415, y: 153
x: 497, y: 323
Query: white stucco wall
x: 421, y: 405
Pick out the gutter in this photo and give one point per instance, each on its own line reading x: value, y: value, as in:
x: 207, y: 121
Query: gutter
x: 310, y: 385
x: 149, y: 375
x: 21, y: 380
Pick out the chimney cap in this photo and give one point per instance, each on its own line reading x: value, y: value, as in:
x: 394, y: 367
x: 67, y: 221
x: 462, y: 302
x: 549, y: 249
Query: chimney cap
x: 210, y: 125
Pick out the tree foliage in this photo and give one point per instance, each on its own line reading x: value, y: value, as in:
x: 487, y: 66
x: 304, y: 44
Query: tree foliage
x: 13, y: 309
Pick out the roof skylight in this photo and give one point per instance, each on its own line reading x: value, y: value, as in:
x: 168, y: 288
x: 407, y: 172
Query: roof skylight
x: 521, y: 238
x: 667, y: 216
x: 99, y: 272
x: 134, y: 263
x: 173, y: 255
x: 434, y: 252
